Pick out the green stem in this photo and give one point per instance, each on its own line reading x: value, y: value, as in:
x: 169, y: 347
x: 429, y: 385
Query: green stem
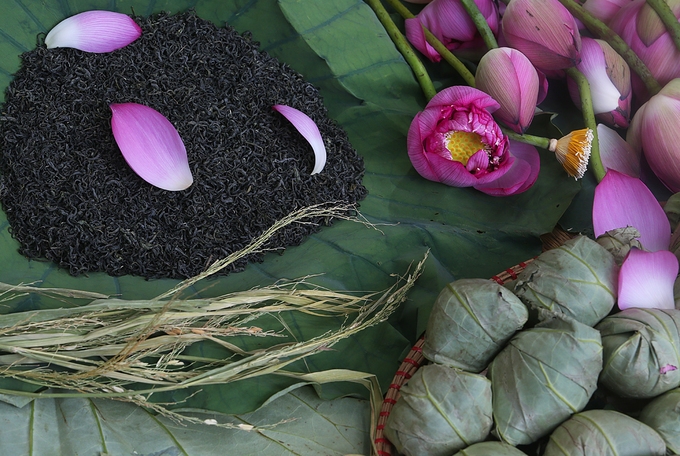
x: 405, y: 48
x: 668, y: 18
x: 589, y: 119
x: 437, y: 45
x: 601, y: 30
x: 538, y: 141
x: 481, y: 24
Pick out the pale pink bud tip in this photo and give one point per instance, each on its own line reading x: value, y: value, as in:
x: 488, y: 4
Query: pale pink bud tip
x: 151, y: 146
x: 309, y: 130
x: 94, y: 31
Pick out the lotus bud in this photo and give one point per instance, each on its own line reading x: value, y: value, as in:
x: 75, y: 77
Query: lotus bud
x: 544, y: 31
x: 433, y: 413
x: 663, y: 415
x: 618, y: 242
x: 641, y: 357
x: 578, y: 279
x: 309, y: 130
x: 609, y: 78
x: 151, y: 146
x: 471, y: 321
x: 604, y: 433
x: 616, y: 153
x: 653, y: 131
x: 543, y: 376
x: 451, y: 24
x: 646, y: 279
x: 604, y: 10
x: 94, y: 31
x: 490, y: 449
x: 510, y: 78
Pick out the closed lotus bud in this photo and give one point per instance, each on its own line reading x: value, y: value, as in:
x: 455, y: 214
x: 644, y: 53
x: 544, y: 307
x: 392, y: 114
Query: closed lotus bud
x: 471, y: 321
x: 578, y: 279
x: 490, y: 449
x: 641, y: 357
x: 618, y: 242
x: 663, y: 415
x: 440, y: 410
x: 604, y: 433
x: 609, y: 78
x: 510, y: 78
x: 604, y: 10
x: 545, y: 31
x: 654, y: 131
x: 542, y: 377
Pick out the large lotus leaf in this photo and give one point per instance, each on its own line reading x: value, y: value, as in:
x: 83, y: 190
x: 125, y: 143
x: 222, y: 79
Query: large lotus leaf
x: 663, y: 415
x: 641, y: 356
x: 543, y: 376
x: 77, y: 426
x: 369, y: 89
x: 604, y: 433
x: 490, y: 449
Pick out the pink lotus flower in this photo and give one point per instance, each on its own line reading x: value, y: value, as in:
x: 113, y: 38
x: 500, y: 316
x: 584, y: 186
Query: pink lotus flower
x: 451, y: 24
x: 510, y: 78
x: 641, y: 28
x: 545, y: 31
x: 654, y: 132
x: 456, y: 141
x: 609, y: 78
x: 94, y: 31
x: 151, y: 146
x: 647, y: 276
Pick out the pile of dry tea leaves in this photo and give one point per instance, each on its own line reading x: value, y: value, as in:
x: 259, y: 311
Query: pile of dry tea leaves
x: 71, y: 198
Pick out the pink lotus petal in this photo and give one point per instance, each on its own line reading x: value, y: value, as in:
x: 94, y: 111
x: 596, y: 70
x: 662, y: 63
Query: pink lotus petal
x: 94, y: 31
x: 622, y: 201
x: 521, y: 176
x: 309, y: 130
x: 667, y: 368
x: 646, y: 280
x: 151, y: 146
x: 616, y: 153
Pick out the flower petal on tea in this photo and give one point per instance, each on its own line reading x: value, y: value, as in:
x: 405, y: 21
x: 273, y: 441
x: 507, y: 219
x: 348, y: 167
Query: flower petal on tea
x: 307, y: 128
x: 151, y: 146
x: 94, y: 31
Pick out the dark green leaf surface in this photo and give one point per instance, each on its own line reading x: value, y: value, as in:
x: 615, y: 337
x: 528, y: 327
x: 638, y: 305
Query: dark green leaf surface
x: 368, y: 88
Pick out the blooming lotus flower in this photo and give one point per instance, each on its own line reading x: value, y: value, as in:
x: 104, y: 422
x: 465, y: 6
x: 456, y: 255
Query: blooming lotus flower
x: 94, y: 31
x: 151, y: 146
x: 646, y: 278
x: 309, y: 130
x: 451, y: 24
x: 616, y: 153
x: 641, y: 28
x: 456, y: 141
x: 545, y: 31
x: 609, y: 78
x: 510, y: 78
x: 654, y: 131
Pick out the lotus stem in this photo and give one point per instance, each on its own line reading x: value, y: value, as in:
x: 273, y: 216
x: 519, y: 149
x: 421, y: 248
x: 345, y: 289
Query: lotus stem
x: 600, y: 29
x: 481, y: 24
x: 538, y: 141
x: 668, y: 18
x: 405, y: 48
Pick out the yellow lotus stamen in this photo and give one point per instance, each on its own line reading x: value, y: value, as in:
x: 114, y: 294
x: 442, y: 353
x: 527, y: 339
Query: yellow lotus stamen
x: 463, y: 145
x: 573, y: 151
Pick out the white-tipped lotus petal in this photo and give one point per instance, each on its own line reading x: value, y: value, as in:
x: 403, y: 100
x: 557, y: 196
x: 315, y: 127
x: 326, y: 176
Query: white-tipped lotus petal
x: 309, y: 130
x: 646, y: 280
x: 94, y: 31
x: 151, y: 146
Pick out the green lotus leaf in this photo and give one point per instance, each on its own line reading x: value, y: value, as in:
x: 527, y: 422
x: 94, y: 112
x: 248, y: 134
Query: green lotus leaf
x: 471, y: 321
x: 641, y: 357
x: 543, y: 376
x: 490, y: 449
x: 578, y: 279
x: 440, y: 410
x: 663, y: 415
x: 604, y: 433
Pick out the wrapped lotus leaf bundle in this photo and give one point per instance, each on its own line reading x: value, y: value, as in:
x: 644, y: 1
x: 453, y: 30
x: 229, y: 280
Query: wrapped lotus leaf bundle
x: 578, y: 279
x: 543, y: 376
x: 618, y: 242
x: 490, y: 449
x: 641, y: 357
x: 471, y: 320
x: 663, y: 415
x: 440, y: 411
x: 604, y: 433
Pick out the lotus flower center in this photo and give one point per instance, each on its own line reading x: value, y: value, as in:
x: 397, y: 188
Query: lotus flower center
x: 463, y: 145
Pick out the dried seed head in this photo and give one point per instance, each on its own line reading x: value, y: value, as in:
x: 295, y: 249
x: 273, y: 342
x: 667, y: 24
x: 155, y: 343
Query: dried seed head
x: 573, y: 151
